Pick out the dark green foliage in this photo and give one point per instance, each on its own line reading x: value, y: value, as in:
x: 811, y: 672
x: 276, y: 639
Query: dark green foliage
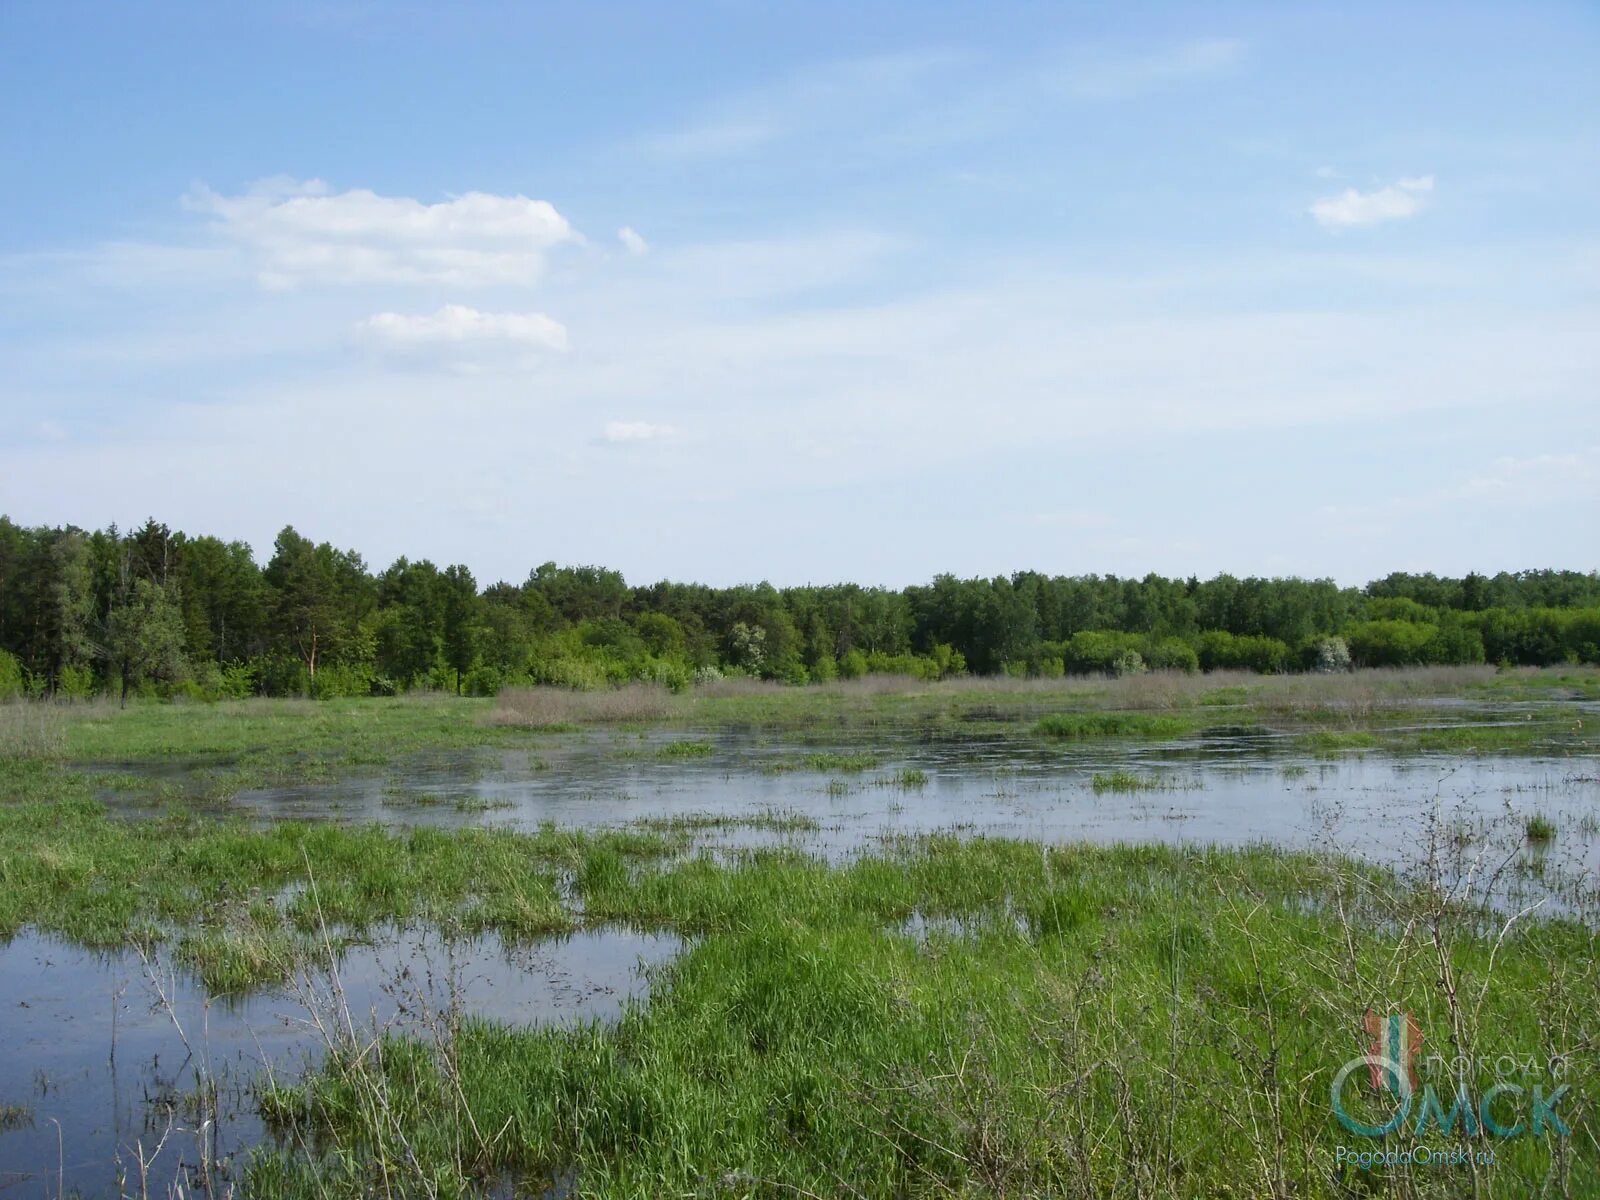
x: 314, y: 621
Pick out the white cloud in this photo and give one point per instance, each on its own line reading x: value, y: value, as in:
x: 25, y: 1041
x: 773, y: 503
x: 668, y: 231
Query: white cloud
x: 303, y: 233
x: 637, y: 431
x: 456, y: 324
x: 633, y: 240
x: 1393, y: 203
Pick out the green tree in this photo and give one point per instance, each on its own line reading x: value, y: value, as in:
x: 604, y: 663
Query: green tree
x: 70, y: 606
x: 318, y: 597
x: 144, y: 636
x: 462, y: 620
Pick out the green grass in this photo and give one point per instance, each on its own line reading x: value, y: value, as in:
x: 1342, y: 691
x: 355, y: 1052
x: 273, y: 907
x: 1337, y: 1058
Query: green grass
x: 907, y: 779
x: 15, y: 1116
x: 1539, y: 828
x: 356, y: 732
x: 236, y: 897
x: 1084, y: 725
x: 822, y: 761
x: 770, y: 820
x: 1099, y: 1010
x: 1127, y: 781
x: 686, y: 749
x: 1556, y: 730
x: 1328, y: 742
x: 235, y: 745
x: 1112, y: 1022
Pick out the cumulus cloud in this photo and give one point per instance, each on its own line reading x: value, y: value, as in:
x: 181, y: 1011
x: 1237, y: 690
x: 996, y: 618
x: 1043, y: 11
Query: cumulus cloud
x: 1393, y: 203
x: 456, y: 324
x: 305, y: 233
x: 632, y: 239
x: 636, y: 431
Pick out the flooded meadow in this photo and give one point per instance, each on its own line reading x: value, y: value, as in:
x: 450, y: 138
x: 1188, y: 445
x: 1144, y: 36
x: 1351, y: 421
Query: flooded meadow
x: 123, y: 1074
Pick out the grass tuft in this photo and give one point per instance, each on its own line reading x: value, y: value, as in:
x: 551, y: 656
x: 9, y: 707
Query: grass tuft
x: 1085, y: 725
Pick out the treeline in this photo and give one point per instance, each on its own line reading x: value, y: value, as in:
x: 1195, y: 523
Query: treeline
x: 158, y: 612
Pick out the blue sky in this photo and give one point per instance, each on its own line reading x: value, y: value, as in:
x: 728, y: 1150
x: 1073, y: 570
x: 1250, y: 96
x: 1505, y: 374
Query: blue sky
x: 730, y: 292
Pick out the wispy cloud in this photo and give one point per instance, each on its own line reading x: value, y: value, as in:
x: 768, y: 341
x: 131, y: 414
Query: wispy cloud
x: 711, y: 139
x: 1532, y: 481
x: 304, y: 233
x: 823, y: 95
x: 456, y: 324
x: 1393, y: 203
x: 1110, y: 76
x: 1073, y: 518
x: 633, y: 240
x: 636, y: 431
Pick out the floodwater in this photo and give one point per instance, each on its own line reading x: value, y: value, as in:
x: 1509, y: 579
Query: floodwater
x: 104, y: 1053
x: 99, y: 1053
x: 1223, y: 786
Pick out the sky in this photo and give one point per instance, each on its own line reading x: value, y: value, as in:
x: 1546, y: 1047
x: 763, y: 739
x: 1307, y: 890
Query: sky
x: 808, y: 293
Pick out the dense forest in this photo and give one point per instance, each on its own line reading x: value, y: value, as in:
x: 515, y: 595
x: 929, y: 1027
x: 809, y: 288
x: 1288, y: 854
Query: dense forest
x: 157, y: 612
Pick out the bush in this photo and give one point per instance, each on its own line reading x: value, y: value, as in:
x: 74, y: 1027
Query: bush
x: 339, y: 680
x: 671, y: 674
x: 1455, y: 643
x: 279, y: 675
x: 1222, y: 651
x: 1333, y: 654
x: 1171, y: 654
x: 563, y: 671
x: 913, y: 665
x: 1096, y: 651
x: 482, y: 681
x: 1539, y: 636
x: 947, y: 660
x: 1130, y: 662
x: 11, y: 686
x: 1390, y: 643
x: 824, y: 670
x: 76, y: 683
x: 853, y: 665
